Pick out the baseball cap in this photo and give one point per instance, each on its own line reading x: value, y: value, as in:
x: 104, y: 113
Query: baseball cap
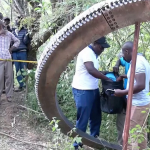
x: 102, y: 41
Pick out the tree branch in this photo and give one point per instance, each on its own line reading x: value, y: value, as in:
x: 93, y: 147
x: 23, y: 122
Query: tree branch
x: 18, y: 7
x: 4, y: 134
x: 15, y: 8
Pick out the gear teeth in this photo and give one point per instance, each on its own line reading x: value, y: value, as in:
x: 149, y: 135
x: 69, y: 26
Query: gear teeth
x: 125, y: 2
x: 91, y: 17
x: 79, y: 23
x: 70, y: 31
x: 83, y: 21
x: 77, y: 26
x: 94, y: 12
x: 73, y: 28
x: 87, y: 18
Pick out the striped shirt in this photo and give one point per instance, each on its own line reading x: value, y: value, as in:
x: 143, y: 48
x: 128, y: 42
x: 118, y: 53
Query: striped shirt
x: 23, y: 36
x: 5, y: 41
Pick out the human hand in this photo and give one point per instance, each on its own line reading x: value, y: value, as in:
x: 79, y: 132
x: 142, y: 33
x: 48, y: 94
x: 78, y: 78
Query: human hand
x: 10, y: 51
x: 119, y: 78
x: 110, y: 80
x: 119, y: 93
x: 116, y: 69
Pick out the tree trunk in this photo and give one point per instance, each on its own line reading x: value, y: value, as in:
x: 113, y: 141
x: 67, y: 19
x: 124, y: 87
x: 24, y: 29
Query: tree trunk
x: 35, y: 27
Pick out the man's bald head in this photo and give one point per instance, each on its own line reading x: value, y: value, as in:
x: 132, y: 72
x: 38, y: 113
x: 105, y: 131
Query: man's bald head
x: 127, y: 51
x: 128, y: 46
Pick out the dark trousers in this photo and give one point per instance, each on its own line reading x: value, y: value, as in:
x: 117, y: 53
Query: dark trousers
x: 88, y: 109
x: 20, y: 66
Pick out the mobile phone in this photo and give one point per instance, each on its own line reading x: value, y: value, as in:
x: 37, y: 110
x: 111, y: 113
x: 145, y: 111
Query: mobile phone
x: 110, y: 92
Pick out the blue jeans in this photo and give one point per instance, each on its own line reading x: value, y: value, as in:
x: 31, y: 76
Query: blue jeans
x: 20, y: 65
x: 88, y: 109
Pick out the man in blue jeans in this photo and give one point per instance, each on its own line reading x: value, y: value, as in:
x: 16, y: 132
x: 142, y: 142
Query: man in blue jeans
x: 85, y: 87
x: 21, y: 52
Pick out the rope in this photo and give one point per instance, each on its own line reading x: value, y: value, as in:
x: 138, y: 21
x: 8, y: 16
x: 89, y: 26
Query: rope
x: 33, y: 62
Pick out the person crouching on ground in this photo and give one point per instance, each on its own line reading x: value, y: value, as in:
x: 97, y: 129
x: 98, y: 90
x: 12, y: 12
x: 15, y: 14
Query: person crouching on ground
x: 6, y: 69
x: 86, y: 89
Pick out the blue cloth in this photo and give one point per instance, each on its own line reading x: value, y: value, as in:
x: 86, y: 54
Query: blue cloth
x: 88, y: 109
x: 24, y: 39
x: 111, y: 76
x: 20, y: 65
x: 127, y: 66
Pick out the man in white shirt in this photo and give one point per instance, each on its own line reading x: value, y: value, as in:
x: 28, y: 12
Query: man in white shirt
x: 140, y: 99
x: 85, y: 87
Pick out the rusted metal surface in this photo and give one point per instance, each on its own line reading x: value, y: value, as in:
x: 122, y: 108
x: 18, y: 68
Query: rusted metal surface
x: 69, y: 41
x: 131, y: 85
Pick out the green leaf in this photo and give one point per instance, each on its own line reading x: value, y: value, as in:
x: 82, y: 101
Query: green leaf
x: 37, y: 8
x: 53, y: 129
x: 143, y: 112
x: 78, y: 139
x: 139, y: 141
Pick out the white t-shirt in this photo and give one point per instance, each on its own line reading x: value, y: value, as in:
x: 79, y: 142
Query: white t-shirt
x: 142, y: 66
x: 82, y: 79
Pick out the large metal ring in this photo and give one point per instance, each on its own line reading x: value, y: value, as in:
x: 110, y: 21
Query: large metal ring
x: 97, y: 21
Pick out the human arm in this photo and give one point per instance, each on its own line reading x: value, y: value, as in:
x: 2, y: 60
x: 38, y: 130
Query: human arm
x: 120, y: 62
x: 116, y: 67
x: 15, y: 41
x: 94, y: 72
x: 121, y: 77
x: 26, y: 39
x: 104, y: 72
x: 138, y: 87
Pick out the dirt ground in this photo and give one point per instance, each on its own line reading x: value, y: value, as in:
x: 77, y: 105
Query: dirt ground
x: 16, y: 133
x: 19, y: 132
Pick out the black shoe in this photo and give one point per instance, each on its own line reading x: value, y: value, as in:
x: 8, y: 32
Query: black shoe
x: 80, y: 144
x: 19, y: 89
x: 3, y: 91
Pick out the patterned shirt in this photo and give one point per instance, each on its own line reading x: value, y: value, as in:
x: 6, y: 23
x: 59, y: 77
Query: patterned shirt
x: 5, y: 41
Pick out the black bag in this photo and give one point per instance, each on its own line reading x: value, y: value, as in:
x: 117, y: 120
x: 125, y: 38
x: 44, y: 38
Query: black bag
x: 111, y: 104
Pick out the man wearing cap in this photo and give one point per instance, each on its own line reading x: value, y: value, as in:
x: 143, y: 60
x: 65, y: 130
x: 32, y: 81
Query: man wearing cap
x: 86, y: 89
x: 7, y: 24
x: 20, y: 53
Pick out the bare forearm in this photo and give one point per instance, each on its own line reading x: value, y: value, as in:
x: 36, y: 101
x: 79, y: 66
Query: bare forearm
x: 136, y: 89
x: 95, y: 73
x: 12, y: 48
x: 124, y: 76
x: 118, y: 63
